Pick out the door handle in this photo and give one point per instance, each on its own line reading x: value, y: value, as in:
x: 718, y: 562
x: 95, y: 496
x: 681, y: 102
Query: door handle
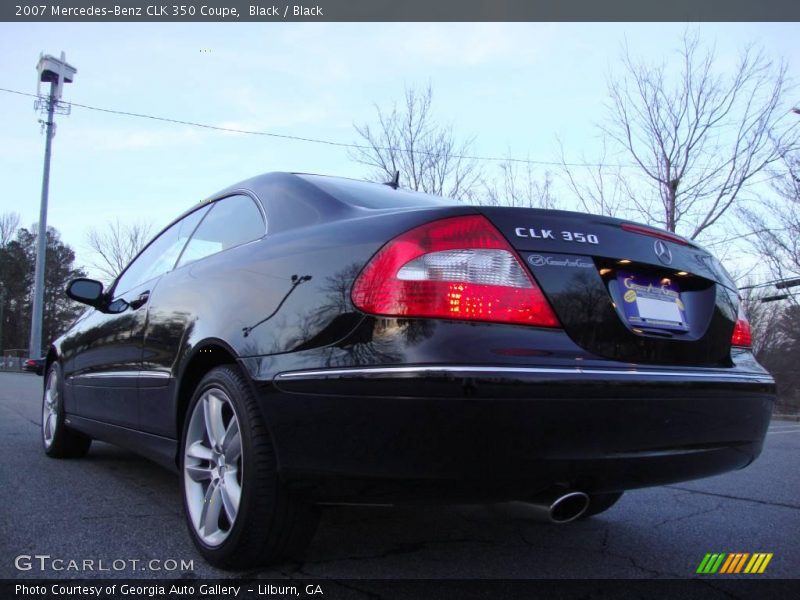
x: 140, y: 301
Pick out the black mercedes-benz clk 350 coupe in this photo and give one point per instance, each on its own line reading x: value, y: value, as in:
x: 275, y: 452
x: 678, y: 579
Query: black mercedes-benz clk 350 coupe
x: 298, y: 340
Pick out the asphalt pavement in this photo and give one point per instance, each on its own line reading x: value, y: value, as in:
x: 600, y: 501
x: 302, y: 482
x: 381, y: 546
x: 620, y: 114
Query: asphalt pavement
x: 123, y: 514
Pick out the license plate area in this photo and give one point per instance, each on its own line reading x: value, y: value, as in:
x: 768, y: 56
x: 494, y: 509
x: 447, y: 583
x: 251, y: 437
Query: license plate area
x: 652, y: 302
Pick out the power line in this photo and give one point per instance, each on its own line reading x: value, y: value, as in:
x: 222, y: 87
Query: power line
x: 352, y: 145
x: 781, y: 283
x: 349, y: 145
x: 307, y: 139
x: 778, y: 297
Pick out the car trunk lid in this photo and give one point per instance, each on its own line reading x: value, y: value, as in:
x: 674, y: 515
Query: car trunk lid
x: 625, y: 291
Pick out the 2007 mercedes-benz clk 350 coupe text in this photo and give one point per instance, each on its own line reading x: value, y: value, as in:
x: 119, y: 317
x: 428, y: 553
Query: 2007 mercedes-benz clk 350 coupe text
x: 299, y: 340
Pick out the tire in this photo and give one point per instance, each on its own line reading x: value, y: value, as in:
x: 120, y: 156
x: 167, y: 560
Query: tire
x: 238, y: 513
x: 58, y: 440
x: 599, y: 503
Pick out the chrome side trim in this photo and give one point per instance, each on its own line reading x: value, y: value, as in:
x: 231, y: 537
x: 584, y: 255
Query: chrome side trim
x: 104, y: 374
x: 155, y: 374
x: 467, y: 370
x: 122, y: 375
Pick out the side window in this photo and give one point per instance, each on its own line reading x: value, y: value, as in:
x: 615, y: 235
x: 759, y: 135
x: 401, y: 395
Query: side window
x: 231, y: 222
x: 160, y: 256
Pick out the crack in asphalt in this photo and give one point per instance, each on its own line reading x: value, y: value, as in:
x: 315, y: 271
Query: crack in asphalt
x: 397, y: 550
x: 731, y: 497
x: 697, y: 513
x: 604, y: 551
x: 22, y: 416
x: 129, y: 516
x: 404, y: 548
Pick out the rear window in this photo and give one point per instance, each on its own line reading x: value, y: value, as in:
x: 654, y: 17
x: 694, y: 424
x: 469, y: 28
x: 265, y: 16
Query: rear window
x: 373, y: 195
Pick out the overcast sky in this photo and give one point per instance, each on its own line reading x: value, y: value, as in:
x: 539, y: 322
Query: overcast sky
x: 515, y: 87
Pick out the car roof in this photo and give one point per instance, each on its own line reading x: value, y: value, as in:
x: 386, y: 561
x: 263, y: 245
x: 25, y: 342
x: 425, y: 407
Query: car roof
x: 259, y: 185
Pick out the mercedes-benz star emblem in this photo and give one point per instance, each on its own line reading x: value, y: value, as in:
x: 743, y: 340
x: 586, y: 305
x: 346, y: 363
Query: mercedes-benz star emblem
x: 662, y: 252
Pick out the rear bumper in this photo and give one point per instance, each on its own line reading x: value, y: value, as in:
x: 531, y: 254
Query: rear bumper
x: 390, y: 434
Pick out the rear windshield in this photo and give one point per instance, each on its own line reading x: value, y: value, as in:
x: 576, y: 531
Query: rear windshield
x: 371, y: 195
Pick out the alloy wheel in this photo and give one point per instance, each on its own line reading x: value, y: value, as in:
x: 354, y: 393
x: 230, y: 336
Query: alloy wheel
x: 50, y: 403
x: 212, y: 466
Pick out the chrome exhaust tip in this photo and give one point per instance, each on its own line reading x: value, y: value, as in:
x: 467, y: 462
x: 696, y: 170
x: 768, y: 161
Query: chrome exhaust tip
x: 559, y: 506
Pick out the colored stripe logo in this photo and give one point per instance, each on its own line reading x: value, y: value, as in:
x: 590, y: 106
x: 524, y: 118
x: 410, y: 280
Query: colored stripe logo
x: 735, y: 562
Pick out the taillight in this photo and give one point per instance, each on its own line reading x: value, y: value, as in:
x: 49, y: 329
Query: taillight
x: 456, y: 268
x: 742, y: 335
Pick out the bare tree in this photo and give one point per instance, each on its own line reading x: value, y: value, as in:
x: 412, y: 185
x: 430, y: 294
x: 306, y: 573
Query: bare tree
x: 520, y: 185
x: 116, y: 244
x: 599, y: 188
x: 426, y: 153
x: 9, y: 224
x: 697, y: 136
x: 776, y: 343
x: 763, y: 317
x: 774, y: 222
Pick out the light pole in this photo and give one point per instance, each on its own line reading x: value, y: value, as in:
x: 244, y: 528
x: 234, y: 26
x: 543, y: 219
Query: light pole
x: 56, y: 72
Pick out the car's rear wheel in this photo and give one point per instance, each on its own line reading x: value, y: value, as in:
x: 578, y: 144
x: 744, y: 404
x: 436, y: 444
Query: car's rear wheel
x: 238, y: 513
x: 599, y: 503
x: 59, y: 441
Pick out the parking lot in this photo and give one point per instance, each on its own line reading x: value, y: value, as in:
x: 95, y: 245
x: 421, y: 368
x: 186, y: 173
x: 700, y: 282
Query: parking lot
x: 114, y: 506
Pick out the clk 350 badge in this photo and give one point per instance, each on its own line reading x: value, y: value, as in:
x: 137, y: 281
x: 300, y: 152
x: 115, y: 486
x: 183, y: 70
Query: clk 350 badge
x: 548, y: 234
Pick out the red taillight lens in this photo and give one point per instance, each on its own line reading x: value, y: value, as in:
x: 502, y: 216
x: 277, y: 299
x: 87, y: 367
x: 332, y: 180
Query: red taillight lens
x: 456, y: 268
x: 741, y: 333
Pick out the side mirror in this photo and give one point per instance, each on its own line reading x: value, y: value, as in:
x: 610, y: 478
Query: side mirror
x: 87, y: 291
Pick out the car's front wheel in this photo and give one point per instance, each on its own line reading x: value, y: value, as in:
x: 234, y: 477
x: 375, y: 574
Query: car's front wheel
x: 239, y: 514
x: 59, y: 441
